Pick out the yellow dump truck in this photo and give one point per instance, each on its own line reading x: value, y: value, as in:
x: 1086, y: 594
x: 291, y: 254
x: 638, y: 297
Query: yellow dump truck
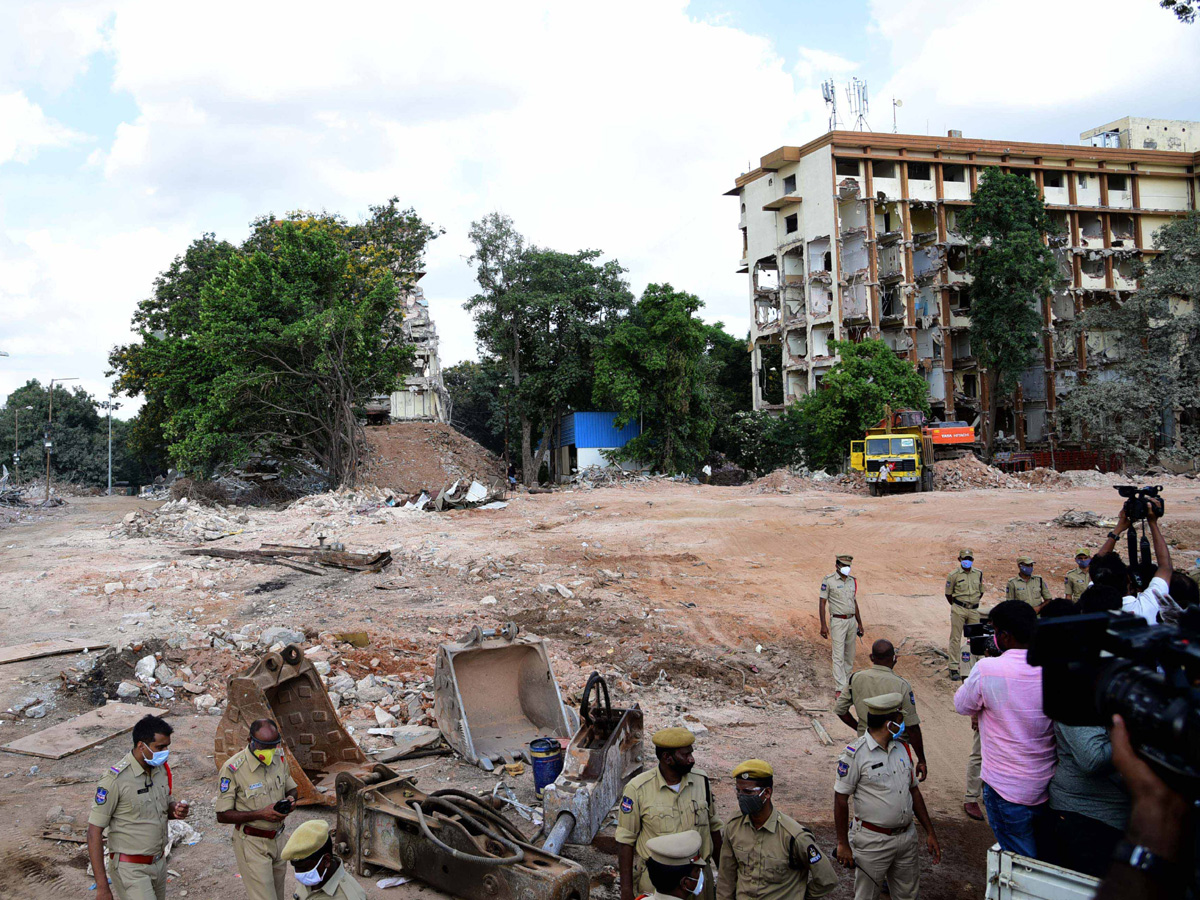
x: 898, y: 453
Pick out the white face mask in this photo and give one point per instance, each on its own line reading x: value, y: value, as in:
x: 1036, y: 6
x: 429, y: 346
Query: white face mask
x: 699, y: 884
x: 312, y: 877
x: 845, y: 570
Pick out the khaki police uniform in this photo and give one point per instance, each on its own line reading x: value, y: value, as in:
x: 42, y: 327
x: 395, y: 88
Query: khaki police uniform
x: 965, y: 590
x: 340, y: 886
x: 839, y: 595
x: 650, y: 807
x: 883, y: 836
x: 675, y: 850
x: 133, y: 805
x: 246, y: 784
x: 779, y: 861
x: 875, y: 682
x: 1034, y: 591
x: 1076, y: 583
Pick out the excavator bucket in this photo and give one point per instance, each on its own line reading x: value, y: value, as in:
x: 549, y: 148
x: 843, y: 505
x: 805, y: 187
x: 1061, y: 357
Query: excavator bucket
x: 286, y: 688
x: 494, y: 693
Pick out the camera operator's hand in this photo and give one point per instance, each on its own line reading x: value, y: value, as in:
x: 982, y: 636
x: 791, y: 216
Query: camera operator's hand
x: 1122, y: 522
x: 1158, y: 818
x: 1154, y: 509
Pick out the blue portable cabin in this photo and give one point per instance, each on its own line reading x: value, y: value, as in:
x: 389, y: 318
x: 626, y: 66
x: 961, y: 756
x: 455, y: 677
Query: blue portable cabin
x: 580, y: 438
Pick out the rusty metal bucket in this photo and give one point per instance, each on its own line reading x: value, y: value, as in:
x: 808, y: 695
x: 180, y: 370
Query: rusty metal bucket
x: 286, y: 688
x: 493, y: 693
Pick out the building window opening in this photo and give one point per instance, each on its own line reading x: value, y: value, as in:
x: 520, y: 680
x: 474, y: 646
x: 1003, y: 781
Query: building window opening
x: 1118, y: 182
x: 954, y: 173
x: 1052, y: 179
x: 789, y: 185
x: 918, y: 171
x: 847, y: 166
x: 883, y: 169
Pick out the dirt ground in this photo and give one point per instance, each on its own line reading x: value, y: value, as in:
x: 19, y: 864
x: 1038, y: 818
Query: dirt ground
x: 699, y: 603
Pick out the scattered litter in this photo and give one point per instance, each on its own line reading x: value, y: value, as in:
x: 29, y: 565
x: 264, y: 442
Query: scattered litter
x: 392, y: 881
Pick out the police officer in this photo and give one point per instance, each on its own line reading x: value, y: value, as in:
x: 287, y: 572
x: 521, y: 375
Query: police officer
x: 839, y: 591
x: 133, y: 802
x: 1077, y: 580
x: 882, y: 679
x: 766, y: 855
x: 879, y: 772
x: 674, y: 866
x: 253, y: 783
x: 1027, y: 587
x: 964, y: 590
x: 318, y: 871
x: 670, y: 798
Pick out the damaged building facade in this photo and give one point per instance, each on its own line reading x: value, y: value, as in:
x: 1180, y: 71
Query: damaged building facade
x: 855, y: 235
x: 423, y: 397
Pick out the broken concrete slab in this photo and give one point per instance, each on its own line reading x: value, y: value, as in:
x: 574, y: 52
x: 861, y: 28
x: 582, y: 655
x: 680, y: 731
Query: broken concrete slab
x: 82, y: 732
x: 18, y: 652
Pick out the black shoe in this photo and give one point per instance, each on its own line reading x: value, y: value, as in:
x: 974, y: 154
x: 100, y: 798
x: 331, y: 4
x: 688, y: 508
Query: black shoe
x: 954, y: 676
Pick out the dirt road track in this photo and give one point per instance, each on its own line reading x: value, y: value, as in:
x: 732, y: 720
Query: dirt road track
x: 751, y: 563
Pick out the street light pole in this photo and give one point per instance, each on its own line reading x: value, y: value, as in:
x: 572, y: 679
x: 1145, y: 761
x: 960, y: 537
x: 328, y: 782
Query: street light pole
x: 17, y: 443
x: 110, y: 406
x: 49, y: 422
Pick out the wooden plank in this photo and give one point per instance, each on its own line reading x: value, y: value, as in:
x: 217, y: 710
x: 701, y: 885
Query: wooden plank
x: 18, y: 652
x: 82, y: 732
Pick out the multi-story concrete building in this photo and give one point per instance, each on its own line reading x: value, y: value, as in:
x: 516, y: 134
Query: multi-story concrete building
x: 855, y: 235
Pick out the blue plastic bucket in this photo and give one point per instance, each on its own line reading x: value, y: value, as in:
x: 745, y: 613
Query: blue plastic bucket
x: 547, y: 756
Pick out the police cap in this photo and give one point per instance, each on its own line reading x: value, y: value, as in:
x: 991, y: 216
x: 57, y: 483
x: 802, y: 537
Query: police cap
x: 307, y: 840
x: 753, y: 770
x: 674, y: 849
x: 673, y: 738
x: 884, y: 704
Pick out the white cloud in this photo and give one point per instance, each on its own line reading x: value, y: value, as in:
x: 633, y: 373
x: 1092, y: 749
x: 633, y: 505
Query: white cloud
x: 50, y: 44
x: 25, y: 129
x: 814, y: 64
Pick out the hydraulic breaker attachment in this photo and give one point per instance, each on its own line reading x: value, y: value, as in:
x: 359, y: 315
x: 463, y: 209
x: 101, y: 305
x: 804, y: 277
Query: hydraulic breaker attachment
x: 451, y: 840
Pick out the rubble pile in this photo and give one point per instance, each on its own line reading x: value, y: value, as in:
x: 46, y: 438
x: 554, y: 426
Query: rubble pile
x: 1077, y: 518
x: 722, y: 471
x: 1044, y: 478
x: 968, y: 473
x: 409, y: 457
x: 605, y: 476
x: 1094, y: 478
x: 183, y: 520
x: 798, y: 479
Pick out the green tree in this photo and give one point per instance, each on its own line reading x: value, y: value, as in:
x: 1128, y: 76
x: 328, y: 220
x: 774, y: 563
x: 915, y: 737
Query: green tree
x: 653, y: 369
x: 1012, y: 269
x: 78, y: 432
x: 543, y: 315
x: 1185, y: 10
x: 763, y: 441
x: 476, y: 407
x: 272, y: 347
x: 1146, y: 403
x: 854, y: 394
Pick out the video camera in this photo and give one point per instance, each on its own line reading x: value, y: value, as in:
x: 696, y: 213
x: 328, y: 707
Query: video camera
x: 1151, y: 677
x: 982, y: 638
x: 1138, y: 500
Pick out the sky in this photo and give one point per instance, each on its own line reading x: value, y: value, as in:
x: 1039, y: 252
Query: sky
x: 128, y: 129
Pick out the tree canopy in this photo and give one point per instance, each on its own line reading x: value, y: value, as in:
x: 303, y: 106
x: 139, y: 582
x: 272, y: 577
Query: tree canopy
x: 270, y: 348
x: 1012, y: 269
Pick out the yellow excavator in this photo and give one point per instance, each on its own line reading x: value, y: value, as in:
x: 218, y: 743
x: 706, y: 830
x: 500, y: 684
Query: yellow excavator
x: 898, y: 453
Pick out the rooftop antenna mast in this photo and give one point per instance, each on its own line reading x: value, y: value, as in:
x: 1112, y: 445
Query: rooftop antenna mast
x: 856, y: 94
x: 829, y: 92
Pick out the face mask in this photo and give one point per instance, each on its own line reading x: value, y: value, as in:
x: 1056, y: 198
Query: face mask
x: 899, y: 729
x: 156, y: 759
x: 699, y: 884
x: 1025, y: 570
x: 265, y: 755
x: 845, y: 570
x: 1082, y: 563
x: 751, y: 804
x: 312, y: 877
x: 966, y: 564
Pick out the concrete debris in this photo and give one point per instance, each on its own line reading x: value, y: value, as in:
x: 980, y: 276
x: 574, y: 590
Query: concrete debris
x: 144, y: 670
x: 1081, y: 519
x: 279, y: 634
x: 969, y: 473
x: 461, y: 495
x: 721, y: 471
x: 799, y: 479
x: 127, y: 690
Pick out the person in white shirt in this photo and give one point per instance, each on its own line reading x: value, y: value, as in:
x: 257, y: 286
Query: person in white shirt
x: 1109, y: 569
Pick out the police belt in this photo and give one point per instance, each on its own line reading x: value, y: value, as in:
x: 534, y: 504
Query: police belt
x: 259, y: 832
x: 136, y: 858
x: 964, y: 605
x: 840, y: 616
x: 871, y: 826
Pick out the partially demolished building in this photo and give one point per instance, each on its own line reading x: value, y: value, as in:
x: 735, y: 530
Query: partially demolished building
x: 423, y: 397
x: 855, y: 235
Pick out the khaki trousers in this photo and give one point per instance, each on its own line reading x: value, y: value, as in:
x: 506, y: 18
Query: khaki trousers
x: 263, y: 872
x: 895, y: 857
x: 138, y: 881
x: 974, y: 782
x: 841, y: 634
x: 958, y: 618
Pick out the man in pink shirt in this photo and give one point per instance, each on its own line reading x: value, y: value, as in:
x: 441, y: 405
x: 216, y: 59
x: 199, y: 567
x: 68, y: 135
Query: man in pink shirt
x: 1004, y: 694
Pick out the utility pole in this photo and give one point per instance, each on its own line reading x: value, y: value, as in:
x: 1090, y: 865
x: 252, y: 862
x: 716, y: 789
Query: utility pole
x: 50, y: 444
x: 17, y: 442
x: 110, y: 405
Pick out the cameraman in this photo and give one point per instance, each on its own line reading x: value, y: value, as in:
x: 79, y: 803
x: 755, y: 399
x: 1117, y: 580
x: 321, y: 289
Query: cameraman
x: 1004, y: 694
x: 1107, y: 568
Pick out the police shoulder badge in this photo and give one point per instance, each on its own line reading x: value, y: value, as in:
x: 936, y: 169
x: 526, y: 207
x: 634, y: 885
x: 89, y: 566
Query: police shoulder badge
x: 814, y: 855
x: 626, y: 805
x: 850, y: 748
x: 101, y: 796
x: 224, y: 785
x: 912, y: 698
x: 843, y: 768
